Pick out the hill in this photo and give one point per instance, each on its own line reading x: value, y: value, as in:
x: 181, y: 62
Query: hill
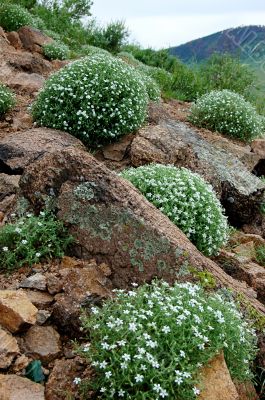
x: 248, y: 42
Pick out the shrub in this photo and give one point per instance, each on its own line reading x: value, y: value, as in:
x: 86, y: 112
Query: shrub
x: 31, y: 239
x: 186, y: 199
x: 109, y: 37
x: 13, y: 17
x: 151, y: 86
x: 56, y: 51
x: 88, y: 50
x: 227, y: 112
x: 7, y: 99
x: 149, y: 343
x: 160, y: 76
x: 97, y: 99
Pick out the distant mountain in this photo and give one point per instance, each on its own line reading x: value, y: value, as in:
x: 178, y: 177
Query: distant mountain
x: 246, y: 41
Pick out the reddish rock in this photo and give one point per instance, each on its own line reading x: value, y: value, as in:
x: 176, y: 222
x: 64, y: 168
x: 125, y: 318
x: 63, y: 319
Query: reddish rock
x: 31, y: 63
x: 13, y: 387
x: 41, y: 300
x: 8, y: 189
x: 216, y: 382
x: 242, y: 238
x: 246, y: 391
x: 25, y: 82
x: 42, y: 342
x: 258, y: 147
x: 8, y: 349
x: 156, y: 112
x: 21, y: 363
x: 54, y: 283
x: 22, y: 121
x: 14, y: 40
x: 16, y: 311
x: 32, y: 39
x: 246, y: 250
x: 61, y: 379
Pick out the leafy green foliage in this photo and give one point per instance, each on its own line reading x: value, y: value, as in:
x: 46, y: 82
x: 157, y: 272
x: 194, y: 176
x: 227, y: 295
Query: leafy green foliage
x: 260, y: 254
x: 186, y: 199
x: 227, y: 112
x: 14, y: 16
x: 56, y: 51
x: 110, y: 37
x: 150, y: 342
x: 97, y: 99
x: 7, y: 99
x: 31, y: 239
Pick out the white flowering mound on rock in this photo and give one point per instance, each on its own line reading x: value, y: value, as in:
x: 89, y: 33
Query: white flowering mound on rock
x: 56, y: 51
x: 150, y: 342
x: 97, y: 99
x: 227, y: 112
x: 13, y: 17
x: 7, y: 99
x: 188, y: 201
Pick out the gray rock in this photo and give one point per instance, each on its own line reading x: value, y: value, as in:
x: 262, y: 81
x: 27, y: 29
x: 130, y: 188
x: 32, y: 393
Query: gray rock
x: 37, y: 281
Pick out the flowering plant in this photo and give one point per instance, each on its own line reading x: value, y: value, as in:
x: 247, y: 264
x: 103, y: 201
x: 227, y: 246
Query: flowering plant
x: 186, y: 199
x: 56, y: 51
x: 98, y: 99
x: 14, y: 16
x: 7, y: 99
x: 30, y: 238
x: 227, y: 112
x: 150, y: 342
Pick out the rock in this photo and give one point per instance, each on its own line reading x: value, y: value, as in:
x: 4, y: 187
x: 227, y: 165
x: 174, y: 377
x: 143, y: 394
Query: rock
x: 20, y: 149
x: 69, y: 262
x: 39, y: 299
x: 8, y: 189
x: 26, y: 82
x: 14, y: 40
x: 54, y: 283
x: 13, y: 387
x: 113, y: 223
x: 241, y: 238
x: 16, y: 311
x: 246, y: 250
x: 61, y: 379
x: 36, y: 281
x: 176, y: 143
x: 42, y: 316
x: 117, y: 151
x: 22, y: 121
x: 42, y: 342
x: 246, y: 391
x: 156, y: 112
x: 32, y: 39
x: 216, y: 382
x: 2, y: 32
x: 32, y: 63
x: 82, y: 287
x: 21, y: 363
x: 258, y: 147
x: 8, y: 349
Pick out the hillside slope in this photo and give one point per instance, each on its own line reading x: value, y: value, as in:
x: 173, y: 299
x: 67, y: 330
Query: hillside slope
x: 248, y: 42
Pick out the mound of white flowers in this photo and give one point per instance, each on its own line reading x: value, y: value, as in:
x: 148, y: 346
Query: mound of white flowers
x: 150, y: 342
x: 97, y: 99
x: 186, y: 199
x: 7, y: 99
x: 227, y: 112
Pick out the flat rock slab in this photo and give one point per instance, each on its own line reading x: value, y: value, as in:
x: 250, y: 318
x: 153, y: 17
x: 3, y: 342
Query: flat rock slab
x: 42, y: 342
x: 8, y: 349
x: 36, y: 281
x: 13, y: 387
x: 16, y: 311
x: 176, y: 143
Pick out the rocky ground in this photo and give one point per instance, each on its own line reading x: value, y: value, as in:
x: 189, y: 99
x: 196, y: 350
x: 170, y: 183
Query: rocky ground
x: 121, y: 237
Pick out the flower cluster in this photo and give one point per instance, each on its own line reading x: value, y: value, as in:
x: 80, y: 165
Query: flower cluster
x: 227, y: 112
x: 13, y: 17
x: 30, y: 239
x: 56, y: 51
x: 98, y: 99
x: 7, y: 99
x: 188, y: 201
x: 150, y: 342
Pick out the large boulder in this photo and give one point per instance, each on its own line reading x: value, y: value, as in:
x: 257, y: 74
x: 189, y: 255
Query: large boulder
x: 13, y: 387
x: 173, y: 142
x: 33, y: 39
x: 113, y: 222
x: 22, y: 148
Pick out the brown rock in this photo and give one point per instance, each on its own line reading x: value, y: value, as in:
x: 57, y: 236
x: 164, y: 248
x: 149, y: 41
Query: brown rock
x: 16, y: 311
x: 54, y: 283
x: 32, y: 63
x: 246, y: 250
x: 216, y: 382
x: 82, y: 287
x: 20, y: 149
x: 69, y: 262
x: 8, y: 189
x: 22, y: 121
x: 32, y: 39
x: 240, y: 238
x: 14, y: 40
x: 21, y: 363
x: 42, y: 342
x: 115, y: 224
x: 176, y: 143
x: 246, y: 391
x: 25, y: 82
x: 117, y: 151
x: 39, y: 299
x: 43, y: 316
x: 2, y: 32
x: 258, y: 147
x: 13, y: 387
x: 61, y: 379
x: 156, y: 112
x: 8, y: 349
x: 36, y: 281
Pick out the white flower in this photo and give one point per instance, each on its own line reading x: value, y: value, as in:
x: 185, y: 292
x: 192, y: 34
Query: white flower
x: 5, y: 248
x: 77, y: 381
x: 108, y: 374
x: 139, y: 378
x: 132, y: 327
x: 196, y: 391
x: 121, y: 393
x: 38, y: 254
x: 166, y: 329
x: 24, y: 241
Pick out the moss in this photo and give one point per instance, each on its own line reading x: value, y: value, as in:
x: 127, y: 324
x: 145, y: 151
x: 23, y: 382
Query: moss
x: 257, y: 318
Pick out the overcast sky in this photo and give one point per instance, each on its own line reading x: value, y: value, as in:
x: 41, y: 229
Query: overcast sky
x: 164, y: 23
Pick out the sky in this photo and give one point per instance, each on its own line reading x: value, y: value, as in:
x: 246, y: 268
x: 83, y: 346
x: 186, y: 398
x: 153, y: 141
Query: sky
x: 165, y: 23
